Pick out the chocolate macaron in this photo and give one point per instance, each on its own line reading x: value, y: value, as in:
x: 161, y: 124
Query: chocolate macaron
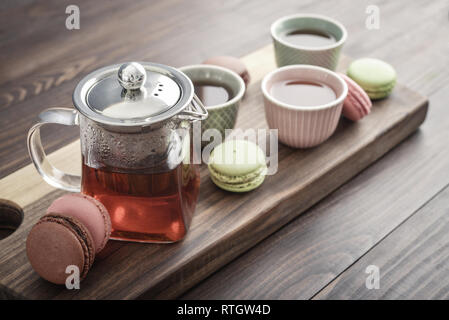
x: 56, y: 242
x: 75, y: 228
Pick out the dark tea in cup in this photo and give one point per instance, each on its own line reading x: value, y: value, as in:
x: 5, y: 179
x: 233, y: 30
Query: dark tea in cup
x: 303, y: 93
x: 303, y: 103
x: 211, y: 93
x: 309, y: 38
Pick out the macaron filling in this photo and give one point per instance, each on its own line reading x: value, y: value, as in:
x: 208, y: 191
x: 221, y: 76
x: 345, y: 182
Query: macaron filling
x: 229, y: 179
x: 81, y: 233
x: 240, y: 187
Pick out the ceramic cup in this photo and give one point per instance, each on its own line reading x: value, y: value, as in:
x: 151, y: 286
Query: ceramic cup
x: 222, y: 116
x: 287, y: 53
x: 302, y: 126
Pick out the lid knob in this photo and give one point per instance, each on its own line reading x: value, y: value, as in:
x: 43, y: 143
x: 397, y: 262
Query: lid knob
x: 131, y: 75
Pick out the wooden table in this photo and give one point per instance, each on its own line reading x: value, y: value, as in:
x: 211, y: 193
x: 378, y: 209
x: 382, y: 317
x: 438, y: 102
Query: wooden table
x: 393, y: 215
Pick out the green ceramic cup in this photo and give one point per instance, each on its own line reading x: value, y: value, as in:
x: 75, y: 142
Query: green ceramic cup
x: 324, y: 56
x: 222, y: 116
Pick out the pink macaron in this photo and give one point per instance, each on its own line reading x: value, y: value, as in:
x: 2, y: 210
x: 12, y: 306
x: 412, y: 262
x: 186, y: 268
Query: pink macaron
x: 357, y: 103
x: 89, y: 211
x: 233, y: 64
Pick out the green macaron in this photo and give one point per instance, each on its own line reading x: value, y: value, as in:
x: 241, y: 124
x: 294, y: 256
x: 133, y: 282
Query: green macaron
x: 237, y: 165
x: 375, y: 76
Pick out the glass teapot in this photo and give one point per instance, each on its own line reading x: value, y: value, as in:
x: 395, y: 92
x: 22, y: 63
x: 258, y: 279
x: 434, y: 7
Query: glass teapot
x: 136, y: 143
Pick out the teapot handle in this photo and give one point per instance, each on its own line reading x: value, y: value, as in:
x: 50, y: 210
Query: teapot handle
x: 51, y: 175
x: 198, y: 111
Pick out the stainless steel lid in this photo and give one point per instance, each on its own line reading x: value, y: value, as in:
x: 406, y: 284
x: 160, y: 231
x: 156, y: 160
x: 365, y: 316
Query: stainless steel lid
x: 133, y: 95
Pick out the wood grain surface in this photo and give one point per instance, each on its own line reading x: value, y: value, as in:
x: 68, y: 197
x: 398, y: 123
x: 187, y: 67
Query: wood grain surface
x: 304, y: 257
x: 413, y: 261
x: 225, y: 224
x: 41, y: 62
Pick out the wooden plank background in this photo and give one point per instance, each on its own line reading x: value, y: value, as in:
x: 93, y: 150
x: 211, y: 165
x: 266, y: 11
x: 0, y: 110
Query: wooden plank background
x: 225, y: 224
x: 324, y: 253
x: 41, y: 61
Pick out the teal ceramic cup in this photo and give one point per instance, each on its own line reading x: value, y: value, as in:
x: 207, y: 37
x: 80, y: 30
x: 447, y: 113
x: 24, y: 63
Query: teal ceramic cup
x: 221, y: 116
x: 288, y: 53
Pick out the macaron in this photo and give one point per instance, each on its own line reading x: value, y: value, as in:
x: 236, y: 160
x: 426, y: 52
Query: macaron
x: 375, y: 76
x: 89, y: 211
x: 56, y: 242
x: 237, y: 165
x: 233, y: 64
x: 357, y: 104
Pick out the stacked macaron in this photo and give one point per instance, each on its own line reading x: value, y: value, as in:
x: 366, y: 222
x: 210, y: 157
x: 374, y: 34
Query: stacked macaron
x: 237, y: 165
x: 375, y: 76
x: 75, y: 228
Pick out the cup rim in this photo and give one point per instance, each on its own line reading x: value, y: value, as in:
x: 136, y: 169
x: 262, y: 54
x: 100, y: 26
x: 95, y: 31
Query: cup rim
x: 236, y: 98
x: 277, y: 102
x: 309, y: 15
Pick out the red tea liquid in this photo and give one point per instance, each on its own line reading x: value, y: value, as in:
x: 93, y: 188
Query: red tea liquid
x: 146, y: 207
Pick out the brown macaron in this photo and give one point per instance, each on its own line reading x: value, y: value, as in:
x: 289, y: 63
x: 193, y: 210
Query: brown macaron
x: 233, y: 64
x: 56, y: 242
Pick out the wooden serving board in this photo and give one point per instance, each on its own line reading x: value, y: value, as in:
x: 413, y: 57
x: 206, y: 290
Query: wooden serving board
x: 225, y: 224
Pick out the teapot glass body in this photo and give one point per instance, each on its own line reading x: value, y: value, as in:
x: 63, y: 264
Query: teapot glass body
x: 147, y: 181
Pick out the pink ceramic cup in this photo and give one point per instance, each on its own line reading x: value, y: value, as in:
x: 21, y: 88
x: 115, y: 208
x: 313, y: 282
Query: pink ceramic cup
x: 302, y: 126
